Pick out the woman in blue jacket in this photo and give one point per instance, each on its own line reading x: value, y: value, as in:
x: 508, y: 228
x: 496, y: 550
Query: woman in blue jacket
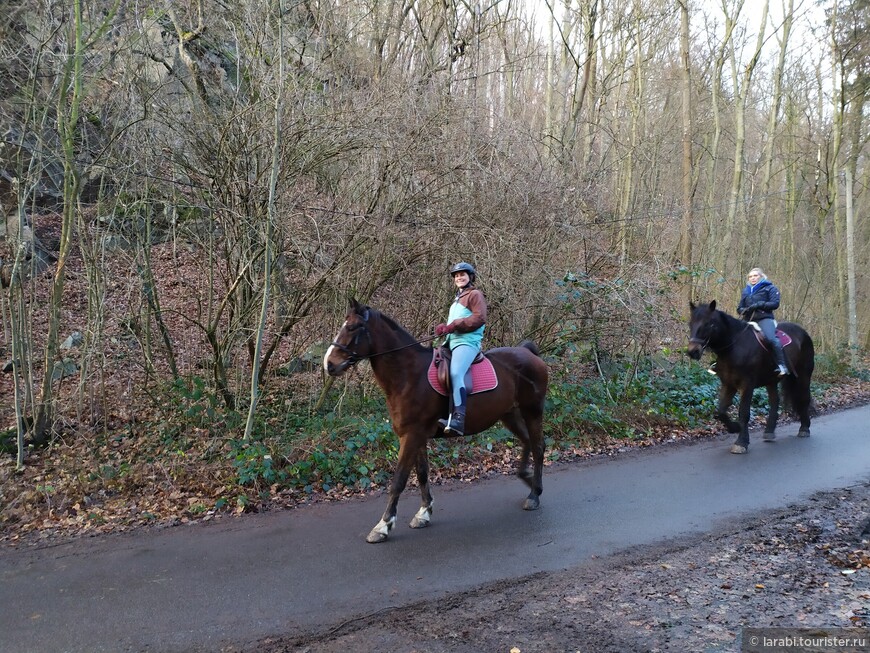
x: 758, y: 301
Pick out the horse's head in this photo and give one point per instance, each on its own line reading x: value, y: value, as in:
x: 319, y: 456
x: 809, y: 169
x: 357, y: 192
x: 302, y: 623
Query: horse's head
x: 353, y: 342
x: 702, y: 328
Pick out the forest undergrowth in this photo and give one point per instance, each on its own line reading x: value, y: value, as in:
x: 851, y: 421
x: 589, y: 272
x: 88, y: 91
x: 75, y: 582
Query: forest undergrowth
x: 133, y: 448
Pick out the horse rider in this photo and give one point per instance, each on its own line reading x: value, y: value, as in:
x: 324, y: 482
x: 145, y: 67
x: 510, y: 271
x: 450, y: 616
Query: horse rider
x: 758, y: 301
x: 464, y: 331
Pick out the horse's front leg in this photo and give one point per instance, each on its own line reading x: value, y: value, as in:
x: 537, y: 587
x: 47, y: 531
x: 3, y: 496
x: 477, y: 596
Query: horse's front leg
x: 741, y: 444
x: 726, y: 397
x: 424, y: 514
x: 407, y: 457
x: 773, y: 414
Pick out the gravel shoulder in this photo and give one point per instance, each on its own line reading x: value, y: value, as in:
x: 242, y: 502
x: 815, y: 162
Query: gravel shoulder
x: 805, y: 566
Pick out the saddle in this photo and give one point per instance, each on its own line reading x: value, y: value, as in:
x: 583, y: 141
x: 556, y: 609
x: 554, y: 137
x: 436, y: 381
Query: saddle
x: 783, y: 337
x: 479, y: 378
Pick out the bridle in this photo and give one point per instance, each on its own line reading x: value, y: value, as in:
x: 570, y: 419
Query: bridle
x: 702, y: 343
x: 353, y: 357
x: 705, y: 343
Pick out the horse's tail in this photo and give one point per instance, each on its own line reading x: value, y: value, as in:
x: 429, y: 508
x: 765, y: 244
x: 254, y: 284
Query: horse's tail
x: 796, y: 387
x: 531, y: 346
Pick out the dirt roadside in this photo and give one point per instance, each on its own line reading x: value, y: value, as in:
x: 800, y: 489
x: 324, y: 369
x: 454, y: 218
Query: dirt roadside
x: 805, y: 566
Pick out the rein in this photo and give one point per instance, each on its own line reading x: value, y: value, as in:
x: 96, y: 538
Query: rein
x: 354, y: 357
x: 390, y: 351
x: 705, y: 343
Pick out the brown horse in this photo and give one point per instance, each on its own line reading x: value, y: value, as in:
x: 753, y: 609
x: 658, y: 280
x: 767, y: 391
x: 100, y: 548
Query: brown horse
x: 743, y: 364
x: 400, y: 363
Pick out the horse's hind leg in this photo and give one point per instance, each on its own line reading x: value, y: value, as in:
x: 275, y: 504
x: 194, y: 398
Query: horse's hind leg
x: 773, y: 413
x: 529, y: 430
x: 535, y: 424
x: 424, y: 514
x: 798, y: 391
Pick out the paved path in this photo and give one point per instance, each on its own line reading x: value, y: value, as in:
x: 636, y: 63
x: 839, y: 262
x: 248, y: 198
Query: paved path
x: 198, y: 587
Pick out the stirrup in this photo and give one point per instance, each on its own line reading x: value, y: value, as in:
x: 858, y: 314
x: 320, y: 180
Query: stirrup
x: 782, y: 370
x: 454, y: 424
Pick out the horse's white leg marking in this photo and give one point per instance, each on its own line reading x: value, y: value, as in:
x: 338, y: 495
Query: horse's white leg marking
x: 384, y: 527
x: 423, y: 517
x: 331, y: 347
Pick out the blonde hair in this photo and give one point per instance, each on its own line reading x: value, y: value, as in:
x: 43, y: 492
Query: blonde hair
x: 759, y: 272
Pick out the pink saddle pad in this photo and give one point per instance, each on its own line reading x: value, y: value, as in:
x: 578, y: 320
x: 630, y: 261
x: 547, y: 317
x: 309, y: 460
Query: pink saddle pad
x: 483, y: 377
x: 784, y: 338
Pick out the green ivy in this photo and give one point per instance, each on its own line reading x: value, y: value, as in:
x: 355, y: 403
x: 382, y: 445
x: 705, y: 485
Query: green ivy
x: 254, y: 464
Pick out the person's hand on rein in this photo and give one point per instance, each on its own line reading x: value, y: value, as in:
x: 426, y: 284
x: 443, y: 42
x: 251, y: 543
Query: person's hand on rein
x: 443, y: 329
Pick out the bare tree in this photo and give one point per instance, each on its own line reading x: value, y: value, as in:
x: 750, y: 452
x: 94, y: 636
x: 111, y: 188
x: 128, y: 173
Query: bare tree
x: 741, y: 83
x: 686, y: 115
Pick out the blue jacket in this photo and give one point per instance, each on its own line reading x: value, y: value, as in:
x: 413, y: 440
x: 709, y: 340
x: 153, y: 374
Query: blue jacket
x: 758, y: 302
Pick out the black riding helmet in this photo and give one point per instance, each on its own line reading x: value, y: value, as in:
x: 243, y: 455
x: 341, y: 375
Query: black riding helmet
x: 464, y: 267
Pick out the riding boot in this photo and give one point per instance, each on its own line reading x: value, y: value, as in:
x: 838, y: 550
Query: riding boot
x: 779, y: 357
x: 455, y: 424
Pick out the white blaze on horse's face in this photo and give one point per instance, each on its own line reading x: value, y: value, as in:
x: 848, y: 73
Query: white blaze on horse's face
x: 332, y: 348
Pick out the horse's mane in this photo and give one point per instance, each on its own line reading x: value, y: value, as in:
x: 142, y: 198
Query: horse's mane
x: 402, y: 333
x: 718, y: 314
x: 730, y: 320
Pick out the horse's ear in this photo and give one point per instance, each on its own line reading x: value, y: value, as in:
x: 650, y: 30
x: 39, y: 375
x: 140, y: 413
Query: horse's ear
x: 360, y: 309
x: 692, y: 306
x: 713, y: 305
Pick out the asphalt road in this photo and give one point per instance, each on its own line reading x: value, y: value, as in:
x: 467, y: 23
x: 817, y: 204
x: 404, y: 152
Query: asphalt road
x: 203, y: 586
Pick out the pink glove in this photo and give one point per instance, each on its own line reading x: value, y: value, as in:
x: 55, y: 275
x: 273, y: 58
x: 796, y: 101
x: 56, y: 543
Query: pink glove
x: 444, y: 329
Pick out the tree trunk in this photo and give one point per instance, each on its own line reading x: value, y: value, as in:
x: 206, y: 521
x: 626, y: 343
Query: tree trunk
x: 767, y: 218
x: 68, y: 105
x: 737, y: 218
x: 271, y: 217
x: 686, y: 115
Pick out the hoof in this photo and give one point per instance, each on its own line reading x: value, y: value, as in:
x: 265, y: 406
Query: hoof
x: 376, y: 537
x: 381, y: 531
x: 804, y: 433
x: 531, y: 503
x: 423, y: 516
x: 421, y: 519
x: 769, y: 437
x: 738, y: 448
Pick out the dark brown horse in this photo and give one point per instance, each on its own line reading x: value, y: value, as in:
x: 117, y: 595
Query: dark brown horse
x: 400, y: 362
x: 743, y: 364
